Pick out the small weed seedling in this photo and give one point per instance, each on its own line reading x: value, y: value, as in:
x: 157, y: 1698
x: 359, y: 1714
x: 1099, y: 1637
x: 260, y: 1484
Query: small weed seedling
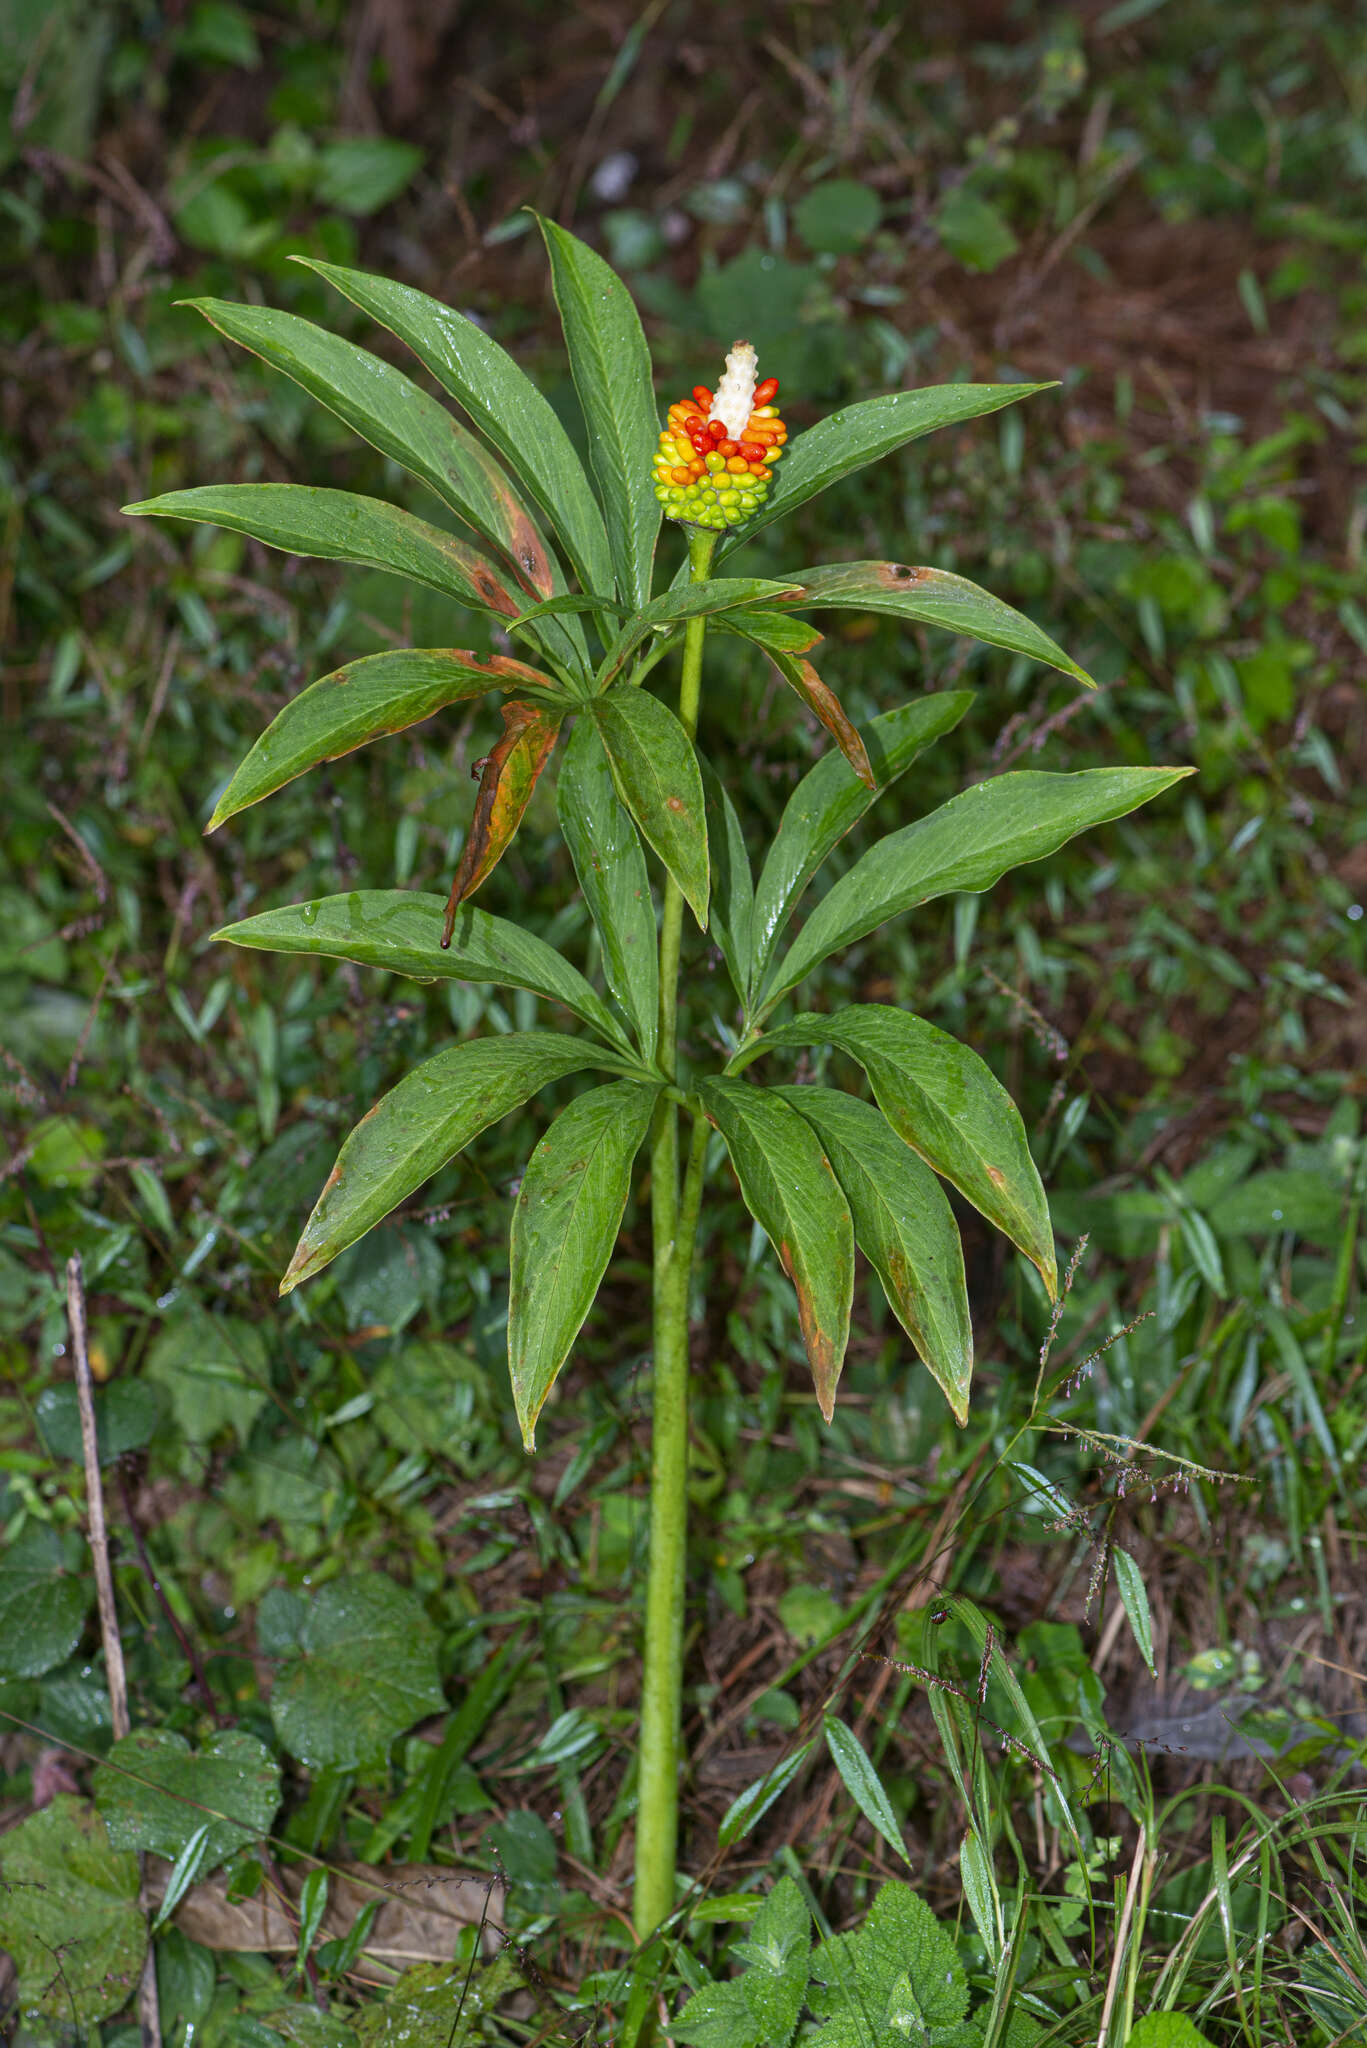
x: 821, y: 1170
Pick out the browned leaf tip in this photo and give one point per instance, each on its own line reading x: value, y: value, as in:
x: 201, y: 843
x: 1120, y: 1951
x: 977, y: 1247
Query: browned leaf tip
x: 822, y: 1355
x: 821, y: 699
x: 506, y: 783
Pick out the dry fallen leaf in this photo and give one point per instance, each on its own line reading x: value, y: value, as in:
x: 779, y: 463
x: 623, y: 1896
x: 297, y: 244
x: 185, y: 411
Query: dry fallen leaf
x: 425, y: 1906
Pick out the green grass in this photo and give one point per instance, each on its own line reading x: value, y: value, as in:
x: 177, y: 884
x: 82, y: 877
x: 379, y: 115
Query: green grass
x: 1177, y: 1004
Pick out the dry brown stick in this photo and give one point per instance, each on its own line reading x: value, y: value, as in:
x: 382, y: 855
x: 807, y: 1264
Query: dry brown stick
x: 149, y: 2015
x: 94, y: 1495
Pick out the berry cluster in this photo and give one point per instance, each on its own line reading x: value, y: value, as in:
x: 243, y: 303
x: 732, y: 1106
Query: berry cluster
x: 716, y: 458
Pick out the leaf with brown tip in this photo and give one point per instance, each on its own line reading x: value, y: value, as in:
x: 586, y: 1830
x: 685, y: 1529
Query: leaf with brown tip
x: 905, y: 1228
x: 821, y: 700
x: 931, y: 597
x: 508, y: 777
x: 401, y: 420
x: 791, y: 1190
x: 948, y: 1105
x: 380, y: 694
x: 339, y: 526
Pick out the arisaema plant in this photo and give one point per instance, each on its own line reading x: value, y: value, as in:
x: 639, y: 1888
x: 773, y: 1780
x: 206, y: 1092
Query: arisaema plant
x: 563, y: 560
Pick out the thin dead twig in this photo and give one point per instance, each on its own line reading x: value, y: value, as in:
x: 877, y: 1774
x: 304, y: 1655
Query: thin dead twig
x: 149, y: 2015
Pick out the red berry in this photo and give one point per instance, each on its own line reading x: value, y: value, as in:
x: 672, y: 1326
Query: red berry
x: 693, y: 424
x: 766, y: 392
x: 717, y: 430
x: 702, y: 396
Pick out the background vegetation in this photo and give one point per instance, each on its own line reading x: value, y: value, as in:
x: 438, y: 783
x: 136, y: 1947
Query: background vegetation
x: 355, y: 1615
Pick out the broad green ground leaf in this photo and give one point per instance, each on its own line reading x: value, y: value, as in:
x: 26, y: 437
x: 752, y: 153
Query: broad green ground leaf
x: 731, y: 910
x: 722, y: 594
x: 401, y: 420
x: 69, y: 1915
x: 718, y: 2016
x: 863, y: 1783
x: 126, y: 1416
x: 340, y: 526
x: 905, y: 1228
x: 776, y: 1953
x: 525, y: 1847
x: 1166, y: 2030
x: 509, y: 774
x: 216, y: 1369
x: 399, y: 931
x: 565, y: 1224
x: 821, y: 700
x: 155, y: 1792
x: 931, y: 597
x: 420, y: 1126
x: 831, y: 798
x: 856, y: 1977
x: 44, y: 1599
x: 761, y: 2008
x: 858, y: 434
x: 792, y: 1192
x: 380, y: 694
x: 611, y: 867
x: 433, y: 1396
x: 950, y: 1107
x: 503, y: 403
x: 963, y: 848
x: 611, y: 367
x: 438, y: 2005
x: 655, y: 770
x: 186, y: 1977
x: 366, y: 1669
x: 358, y: 174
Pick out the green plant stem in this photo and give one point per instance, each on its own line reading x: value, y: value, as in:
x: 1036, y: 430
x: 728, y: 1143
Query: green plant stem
x: 674, y: 1217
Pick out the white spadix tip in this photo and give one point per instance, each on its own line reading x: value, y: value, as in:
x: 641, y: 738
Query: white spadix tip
x: 735, y: 399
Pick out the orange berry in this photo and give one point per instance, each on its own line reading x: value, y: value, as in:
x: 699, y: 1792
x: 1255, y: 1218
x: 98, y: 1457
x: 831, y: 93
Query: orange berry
x: 702, y: 397
x: 737, y: 464
x: 679, y: 475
